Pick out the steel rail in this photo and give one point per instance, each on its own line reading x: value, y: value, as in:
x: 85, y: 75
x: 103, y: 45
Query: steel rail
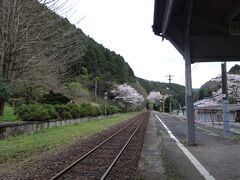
x: 120, y: 153
x: 88, y: 153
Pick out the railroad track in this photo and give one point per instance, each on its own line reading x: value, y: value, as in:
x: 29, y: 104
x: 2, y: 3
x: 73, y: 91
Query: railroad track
x: 100, y: 161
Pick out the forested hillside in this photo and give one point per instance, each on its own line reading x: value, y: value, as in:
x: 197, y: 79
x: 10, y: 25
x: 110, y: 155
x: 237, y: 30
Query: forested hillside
x: 235, y: 69
x: 103, y: 65
x: 212, y: 88
x: 44, y: 55
x: 176, y: 90
x: 45, y: 59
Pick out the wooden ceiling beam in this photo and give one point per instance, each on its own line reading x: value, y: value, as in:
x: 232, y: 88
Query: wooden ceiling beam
x: 211, y: 24
x: 232, y: 13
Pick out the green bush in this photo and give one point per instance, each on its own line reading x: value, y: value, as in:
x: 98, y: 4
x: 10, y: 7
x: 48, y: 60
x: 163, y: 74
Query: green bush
x: 54, y: 98
x: 41, y: 112
x: 63, y: 111
x: 51, y: 111
x: 95, y: 111
x: 36, y: 112
x: 66, y: 115
x: 74, y: 110
x: 85, y: 110
x: 112, y: 110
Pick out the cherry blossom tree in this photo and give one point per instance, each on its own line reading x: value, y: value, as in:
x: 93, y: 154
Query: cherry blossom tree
x: 233, y: 81
x: 127, y: 97
x: 154, y: 96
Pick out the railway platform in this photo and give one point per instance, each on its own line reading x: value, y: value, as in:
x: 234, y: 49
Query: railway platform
x: 150, y: 165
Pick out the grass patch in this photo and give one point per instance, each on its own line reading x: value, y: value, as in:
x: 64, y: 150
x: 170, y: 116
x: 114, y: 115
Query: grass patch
x: 161, y: 134
x: 15, y: 149
x: 8, y: 114
x: 235, y: 137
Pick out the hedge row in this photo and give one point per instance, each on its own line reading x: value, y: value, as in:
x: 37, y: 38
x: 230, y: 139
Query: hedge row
x: 41, y: 112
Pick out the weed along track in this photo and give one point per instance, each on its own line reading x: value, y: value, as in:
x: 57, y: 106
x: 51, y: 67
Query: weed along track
x: 115, y: 157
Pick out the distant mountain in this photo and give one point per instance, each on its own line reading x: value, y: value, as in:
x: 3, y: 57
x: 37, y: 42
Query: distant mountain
x: 212, y: 90
x: 178, y: 91
x: 235, y: 69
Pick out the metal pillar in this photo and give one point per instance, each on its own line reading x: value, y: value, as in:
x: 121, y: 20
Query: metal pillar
x: 170, y: 104
x: 189, y: 98
x: 105, y: 103
x: 226, y: 128
x: 188, y: 79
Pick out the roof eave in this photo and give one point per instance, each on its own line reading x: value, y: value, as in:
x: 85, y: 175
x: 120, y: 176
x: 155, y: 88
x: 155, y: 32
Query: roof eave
x: 162, y: 15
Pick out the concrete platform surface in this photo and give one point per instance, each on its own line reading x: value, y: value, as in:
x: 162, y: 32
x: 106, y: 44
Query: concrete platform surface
x: 150, y: 166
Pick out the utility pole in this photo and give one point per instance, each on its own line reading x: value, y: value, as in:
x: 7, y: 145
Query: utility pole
x: 226, y: 128
x: 170, y: 98
x: 105, y: 103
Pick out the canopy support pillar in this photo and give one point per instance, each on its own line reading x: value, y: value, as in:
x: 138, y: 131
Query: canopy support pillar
x: 188, y: 79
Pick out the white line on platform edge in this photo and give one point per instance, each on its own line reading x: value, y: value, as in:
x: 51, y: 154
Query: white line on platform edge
x: 194, y: 161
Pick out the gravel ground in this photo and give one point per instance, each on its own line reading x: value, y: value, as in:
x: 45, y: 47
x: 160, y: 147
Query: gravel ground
x: 47, y: 164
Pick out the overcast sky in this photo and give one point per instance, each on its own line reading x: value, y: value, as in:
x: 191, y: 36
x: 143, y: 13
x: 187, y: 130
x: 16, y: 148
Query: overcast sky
x: 124, y: 26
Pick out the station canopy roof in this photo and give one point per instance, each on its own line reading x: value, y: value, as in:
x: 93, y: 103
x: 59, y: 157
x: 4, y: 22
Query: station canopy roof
x: 214, y: 28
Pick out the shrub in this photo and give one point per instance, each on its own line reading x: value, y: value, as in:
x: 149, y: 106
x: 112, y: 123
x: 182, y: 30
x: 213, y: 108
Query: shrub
x: 51, y: 111
x: 66, y: 115
x: 84, y: 110
x: 63, y: 111
x: 54, y: 98
x: 74, y: 110
x: 93, y: 111
x: 40, y: 112
x: 36, y: 112
x: 112, y: 110
x: 99, y: 110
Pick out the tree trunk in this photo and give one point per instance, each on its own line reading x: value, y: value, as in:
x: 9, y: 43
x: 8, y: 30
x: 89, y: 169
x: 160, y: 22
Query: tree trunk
x: 2, y: 103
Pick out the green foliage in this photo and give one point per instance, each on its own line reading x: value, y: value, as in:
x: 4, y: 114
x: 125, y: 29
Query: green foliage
x: 63, y: 111
x: 140, y: 89
x: 173, y: 102
x: 156, y: 106
x: 148, y: 105
x: 109, y: 67
x: 203, y: 92
x: 112, y: 110
x: 235, y: 69
x: 74, y: 110
x: 232, y: 100
x: 176, y: 90
x: 90, y: 110
x: 76, y: 91
x: 36, y: 112
x: 84, y: 73
x: 8, y: 114
x: 41, y: 112
x: 5, y: 90
x: 54, y: 98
